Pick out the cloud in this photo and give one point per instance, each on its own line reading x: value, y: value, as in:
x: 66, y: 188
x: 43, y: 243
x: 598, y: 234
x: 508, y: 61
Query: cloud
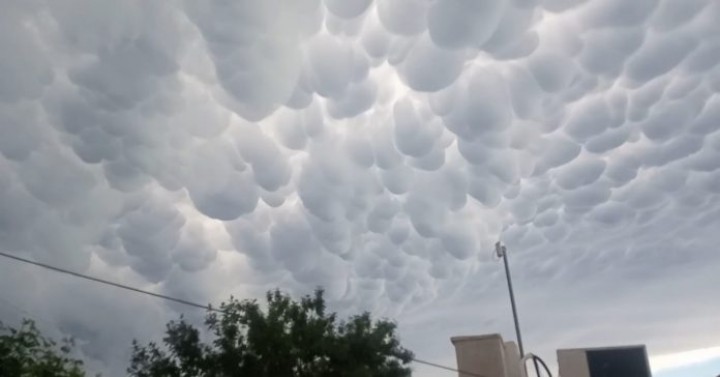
x: 403, y: 17
x: 454, y: 24
x: 378, y: 149
x: 428, y: 67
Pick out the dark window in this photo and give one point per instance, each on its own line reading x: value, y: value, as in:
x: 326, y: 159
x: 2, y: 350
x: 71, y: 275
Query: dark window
x: 625, y: 362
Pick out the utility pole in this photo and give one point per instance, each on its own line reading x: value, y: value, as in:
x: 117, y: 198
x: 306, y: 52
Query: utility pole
x: 502, y: 253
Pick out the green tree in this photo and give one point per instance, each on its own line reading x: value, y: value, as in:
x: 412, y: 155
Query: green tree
x: 24, y: 352
x: 287, y: 339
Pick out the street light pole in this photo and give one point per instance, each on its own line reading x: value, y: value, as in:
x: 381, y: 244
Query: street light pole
x: 502, y: 252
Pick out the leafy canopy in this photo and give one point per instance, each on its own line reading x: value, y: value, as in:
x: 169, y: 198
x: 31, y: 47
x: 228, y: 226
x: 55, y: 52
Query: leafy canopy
x: 24, y: 352
x: 288, y: 339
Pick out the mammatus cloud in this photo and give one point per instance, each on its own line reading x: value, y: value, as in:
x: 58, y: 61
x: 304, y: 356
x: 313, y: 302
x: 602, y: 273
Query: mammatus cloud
x: 379, y: 149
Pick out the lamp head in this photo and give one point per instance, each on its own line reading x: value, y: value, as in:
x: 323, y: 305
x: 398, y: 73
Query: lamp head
x: 499, y: 249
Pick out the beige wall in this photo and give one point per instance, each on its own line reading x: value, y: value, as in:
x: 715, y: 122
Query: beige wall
x: 487, y: 355
x: 572, y: 363
x: 513, y: 362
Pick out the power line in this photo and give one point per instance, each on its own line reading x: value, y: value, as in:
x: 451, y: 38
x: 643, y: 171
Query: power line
x: 110, y: 283
x: 463, y: 373
x: 179, y: 300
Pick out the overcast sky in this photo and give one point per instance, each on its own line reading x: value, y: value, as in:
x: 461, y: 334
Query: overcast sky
x: 206, y: 148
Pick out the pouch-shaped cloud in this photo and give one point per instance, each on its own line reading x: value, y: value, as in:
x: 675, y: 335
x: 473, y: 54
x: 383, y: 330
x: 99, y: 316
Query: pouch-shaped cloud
x: 428, y: 67
x: 378, y: 149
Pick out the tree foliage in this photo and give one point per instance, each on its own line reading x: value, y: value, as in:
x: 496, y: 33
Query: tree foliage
x: 287, y: 339
x: 24, y: 352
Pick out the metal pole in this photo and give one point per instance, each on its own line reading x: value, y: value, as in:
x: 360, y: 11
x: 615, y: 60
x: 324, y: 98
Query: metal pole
x: 503, y: 252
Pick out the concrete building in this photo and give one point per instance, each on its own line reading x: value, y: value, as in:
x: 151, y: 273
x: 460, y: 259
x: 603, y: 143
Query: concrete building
x: 630, y: 361
x: 490, y: 356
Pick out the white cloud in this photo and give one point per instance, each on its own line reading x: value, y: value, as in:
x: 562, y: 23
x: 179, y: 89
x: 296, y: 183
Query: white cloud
x: 376, y: 148
x: 680, y: 359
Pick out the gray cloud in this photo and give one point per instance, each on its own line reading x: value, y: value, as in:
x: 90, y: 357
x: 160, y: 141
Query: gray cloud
x: 378, y: 149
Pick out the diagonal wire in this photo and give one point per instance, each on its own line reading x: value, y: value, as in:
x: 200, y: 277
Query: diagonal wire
x: 462, y: 372
x: 184, y: 302
x: 110, y: 283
